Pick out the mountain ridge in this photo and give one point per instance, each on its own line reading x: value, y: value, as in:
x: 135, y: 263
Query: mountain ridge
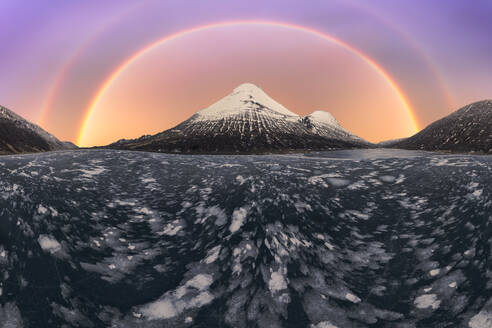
x: 468, y: 129
x: 248, y: 121
x: 18, y: 135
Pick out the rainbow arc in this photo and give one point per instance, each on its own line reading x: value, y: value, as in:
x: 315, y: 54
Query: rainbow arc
x: 114, y: 75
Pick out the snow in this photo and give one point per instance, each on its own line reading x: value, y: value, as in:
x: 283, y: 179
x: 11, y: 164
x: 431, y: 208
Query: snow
x: 324, y: 123
x: 202, y: 299
x: 212, y: 255
x: 337, y: 182
x: 42, y: 209
x: 352, y: 298
x: 49, y: 244
x: 324, y: 324
x: 238, y: 217
x: 324, y: 117
x: 92, y: 172
x: 482, y: 320
x: 427, y: 300
x: 200, y: 281
x: 387, y: 178
x: 245, y: 97
x: 173, y: 304
x: 163, y: 309
x: 277, y: 282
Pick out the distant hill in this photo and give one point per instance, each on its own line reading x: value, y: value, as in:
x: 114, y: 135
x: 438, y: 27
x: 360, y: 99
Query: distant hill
x: 469, y: 129
x: 389, y: 143
x: 248, y: 121
x: 18, y: 135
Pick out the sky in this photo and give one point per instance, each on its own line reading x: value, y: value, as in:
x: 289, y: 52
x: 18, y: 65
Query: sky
x: 92, y: 71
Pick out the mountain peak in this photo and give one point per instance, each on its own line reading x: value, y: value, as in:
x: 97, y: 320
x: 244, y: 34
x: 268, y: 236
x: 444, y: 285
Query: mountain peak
x: 246, y: 98
x: 247, y: 88
x: 324, y: 117
x: 248, y: 121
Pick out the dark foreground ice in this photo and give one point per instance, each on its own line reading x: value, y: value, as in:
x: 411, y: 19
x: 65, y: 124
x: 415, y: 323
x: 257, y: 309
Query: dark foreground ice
x: 336, y: 239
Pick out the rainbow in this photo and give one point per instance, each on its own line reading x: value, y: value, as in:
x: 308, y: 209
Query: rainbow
x: 72, y: 60
x: 112, y: 77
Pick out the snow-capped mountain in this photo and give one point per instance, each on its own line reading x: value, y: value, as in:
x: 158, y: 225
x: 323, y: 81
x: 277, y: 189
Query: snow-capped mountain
x: 18, y: 135
x: 323, y: 123
x: 468, y: 129
x: 248, y: 121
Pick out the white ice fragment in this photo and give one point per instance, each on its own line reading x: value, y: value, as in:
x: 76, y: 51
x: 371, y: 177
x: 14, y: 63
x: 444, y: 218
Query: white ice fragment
x: 240, y: 179
x: 170, y: 230
x: 238, y: 217
x: 426, y: 301
x: 337, y: 182
x: 324, y: 324
x: 387, y: 178
x: 481, y: 320
x: 329, y: 246
x: 277, y: 282
x: 212, y: 255
x: 201, y: 300
x: 162, y: 309
x: 352, y: 298
x: 42, y: 209
x: 49, y: 244
x: 200, y: 281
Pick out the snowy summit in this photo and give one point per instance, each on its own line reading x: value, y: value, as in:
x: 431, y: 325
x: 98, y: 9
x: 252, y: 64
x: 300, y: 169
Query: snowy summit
x: 246, y: 97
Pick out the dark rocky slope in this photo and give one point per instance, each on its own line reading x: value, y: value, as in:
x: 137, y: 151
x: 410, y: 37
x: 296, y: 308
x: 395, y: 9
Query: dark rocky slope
x: 18, y: 135
x: 469, y: 129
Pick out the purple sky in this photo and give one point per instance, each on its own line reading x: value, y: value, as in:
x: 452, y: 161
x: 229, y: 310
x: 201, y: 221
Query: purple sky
x: 439, y: 52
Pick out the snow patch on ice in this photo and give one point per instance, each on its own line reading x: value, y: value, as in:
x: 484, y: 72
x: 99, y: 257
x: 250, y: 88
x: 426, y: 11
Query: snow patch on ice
x: 427, y: 300
x: 49, y: 244
x: 277, y: 282
x: 213, y: 255
x: 323, y: 324
x: 352, y: 298
x: 481, y: 320
x: 238, y: 217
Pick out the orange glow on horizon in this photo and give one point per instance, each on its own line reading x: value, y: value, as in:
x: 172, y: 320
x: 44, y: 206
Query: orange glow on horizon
x: 112, y: 77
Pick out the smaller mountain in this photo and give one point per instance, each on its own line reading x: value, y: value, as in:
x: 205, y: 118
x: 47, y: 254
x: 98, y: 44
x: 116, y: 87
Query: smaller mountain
x: 323, y: 123
x: 389, y: 143
x: 248, y: 121
x: 469, y: 129
x: 18, y: 135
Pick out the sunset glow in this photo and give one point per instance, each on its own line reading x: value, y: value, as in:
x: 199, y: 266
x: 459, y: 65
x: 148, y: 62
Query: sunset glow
x: 223, y: 36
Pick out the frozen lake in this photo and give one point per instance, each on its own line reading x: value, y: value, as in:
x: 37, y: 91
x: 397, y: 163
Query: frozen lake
x: 356, y: 238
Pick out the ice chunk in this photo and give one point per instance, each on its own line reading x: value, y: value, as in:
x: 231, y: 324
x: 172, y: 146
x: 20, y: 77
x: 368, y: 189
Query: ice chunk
x: 427, y: 300
x: 277, y: 282
x: 238, y: 217
x: 49, y: 244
